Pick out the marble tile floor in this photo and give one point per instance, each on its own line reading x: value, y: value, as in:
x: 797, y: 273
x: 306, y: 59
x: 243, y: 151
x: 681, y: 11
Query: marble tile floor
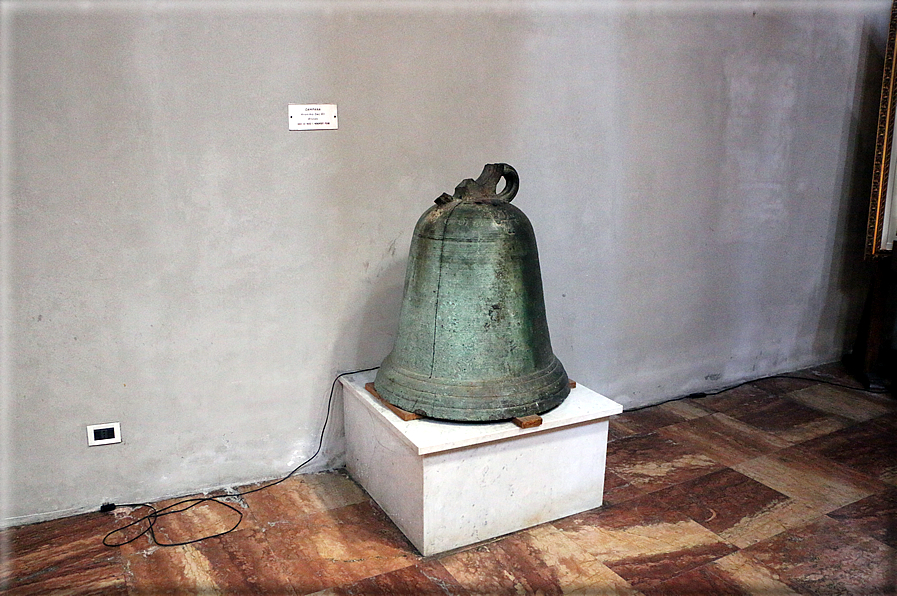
x: 776, y: 487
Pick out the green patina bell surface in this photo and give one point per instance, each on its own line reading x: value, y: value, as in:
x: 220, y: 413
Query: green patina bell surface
x: 473, y: 341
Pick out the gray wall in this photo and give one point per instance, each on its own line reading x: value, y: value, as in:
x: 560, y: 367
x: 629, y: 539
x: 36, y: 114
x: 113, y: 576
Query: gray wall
x: 176, y: 260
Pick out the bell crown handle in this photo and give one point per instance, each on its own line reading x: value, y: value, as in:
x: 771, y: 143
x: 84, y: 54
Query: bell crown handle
x: 483, y: 188
x: 512, y: 182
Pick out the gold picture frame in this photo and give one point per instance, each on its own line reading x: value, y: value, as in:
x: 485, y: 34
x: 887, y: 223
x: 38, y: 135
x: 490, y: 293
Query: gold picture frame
x: 882, y: 228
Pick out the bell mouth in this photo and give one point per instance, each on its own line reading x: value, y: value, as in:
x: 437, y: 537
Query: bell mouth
x: 473, y: 401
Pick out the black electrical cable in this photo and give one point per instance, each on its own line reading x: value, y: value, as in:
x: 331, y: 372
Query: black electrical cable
x: 153, y: 516
x: 701, y: 394
x: 786, y: 376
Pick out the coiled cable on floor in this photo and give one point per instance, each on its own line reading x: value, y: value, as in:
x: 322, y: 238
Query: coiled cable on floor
x: 183, y: 505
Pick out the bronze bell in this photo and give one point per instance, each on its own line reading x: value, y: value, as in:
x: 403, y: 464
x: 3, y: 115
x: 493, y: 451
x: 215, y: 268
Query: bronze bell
x: 473, y: 339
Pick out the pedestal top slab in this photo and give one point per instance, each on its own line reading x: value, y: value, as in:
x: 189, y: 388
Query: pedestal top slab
x: 428, y: 436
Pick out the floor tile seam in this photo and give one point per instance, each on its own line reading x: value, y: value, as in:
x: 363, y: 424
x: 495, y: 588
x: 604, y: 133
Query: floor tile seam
x: 20, y: 560
x: 678, y: 442
x: 239, y: 494
x: 282, y: 569
x: 795, y: 583
x: 751, y: 429
x: 130, y: 576
x: 50, y: 574
x: 824, y: 511
x: 821, y: 509
x: 725, y: 464
x: 848, y: 419
x: 768, y: 453
x: 864, y: 533
x: 774, y: 573
x: 838, y: 386
x: 721, y: 394
x: 841, y: 419
x: 181, y: 564
x: 636, y: 435
x: 197, y: 547
x: 303, y: 519
x: 748, y: 462
x: 598, y: 579
x: 707, y: 452
x: 583, y: 555
x: 708, y: 567
x: 805, y: 453
x: 263, y: 524
x: 718, y: 539
x: 461, y: 581
x: 33, y: 578
x: 849, y: 472
x: 846, y: 427
x: 166, y: 540
x: 733, y: 422
x: 747, y: 550
x: 349, y: 583
x: 67, y: 566
x: 639, y: 494
x: 650, y: 489
x: 733, y: 413
x: 766, y: 509
x: 277, y: 560
x: 878, y: 420
x: 816, y: 516
x: 58, y: 542
x: 686, y: 401
x: 300, y: 509
x: 44, y: 586
x: 620, y: 426
x: 437, y: 557
x: 662, y: 556
x: 782, y: 392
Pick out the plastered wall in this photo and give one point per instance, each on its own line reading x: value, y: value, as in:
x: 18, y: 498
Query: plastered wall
x: 176, y: 260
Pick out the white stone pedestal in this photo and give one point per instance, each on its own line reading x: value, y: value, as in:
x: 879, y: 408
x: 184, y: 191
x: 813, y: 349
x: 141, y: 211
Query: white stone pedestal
x: 448, y: 484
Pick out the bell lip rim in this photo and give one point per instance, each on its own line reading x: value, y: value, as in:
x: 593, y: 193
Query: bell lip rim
x: 493, y: 414
x: 547, y: 388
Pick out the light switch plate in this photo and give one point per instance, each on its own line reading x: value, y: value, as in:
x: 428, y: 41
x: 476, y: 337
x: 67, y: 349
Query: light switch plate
x: 316, y: 116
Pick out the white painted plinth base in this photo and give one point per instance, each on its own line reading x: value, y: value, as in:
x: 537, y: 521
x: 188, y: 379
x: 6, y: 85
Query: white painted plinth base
x: 447, y: 485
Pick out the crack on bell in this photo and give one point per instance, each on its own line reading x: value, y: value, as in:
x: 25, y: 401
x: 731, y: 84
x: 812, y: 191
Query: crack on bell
x: 445, y: 222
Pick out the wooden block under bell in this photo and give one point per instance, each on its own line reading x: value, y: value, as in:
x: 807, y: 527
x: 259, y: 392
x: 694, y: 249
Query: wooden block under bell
x: 530, y: 421
x: 403, y: 414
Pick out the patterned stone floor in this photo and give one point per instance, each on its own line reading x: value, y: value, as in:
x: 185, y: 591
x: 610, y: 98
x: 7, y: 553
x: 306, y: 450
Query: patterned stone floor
x: 777, y: 487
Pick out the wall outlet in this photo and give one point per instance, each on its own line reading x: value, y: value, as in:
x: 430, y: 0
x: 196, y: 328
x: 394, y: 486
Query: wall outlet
x: 103, y: 434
